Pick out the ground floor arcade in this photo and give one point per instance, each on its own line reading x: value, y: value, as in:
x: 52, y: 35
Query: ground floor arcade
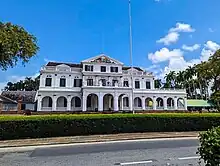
x: 110, y: 102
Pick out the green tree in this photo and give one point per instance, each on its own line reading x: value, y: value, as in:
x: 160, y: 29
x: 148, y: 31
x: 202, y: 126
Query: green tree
x: 16, y: 44
x: 157, y: 83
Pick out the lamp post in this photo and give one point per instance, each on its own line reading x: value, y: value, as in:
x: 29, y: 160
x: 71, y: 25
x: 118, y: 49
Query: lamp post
x: 131, y: 59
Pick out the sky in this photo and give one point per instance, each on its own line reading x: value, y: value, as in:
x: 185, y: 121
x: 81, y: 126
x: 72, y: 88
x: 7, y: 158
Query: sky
x: 167, y: 34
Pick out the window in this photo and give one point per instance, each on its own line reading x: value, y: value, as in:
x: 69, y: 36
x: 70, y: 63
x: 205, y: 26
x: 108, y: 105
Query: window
x: 103, y: 82
x: 90, y: 82
x: 148, y: 85
x: 103, y: 68
x: 88, y: 68
x: 48, y: 82
x: 77, y: 82
x: 62, y: 82
x: 126, y: 84
x: 114, y: 69
x: 137, y: 84
x: 77, y: 102
x: 114, y: 82
x: 89, y: 101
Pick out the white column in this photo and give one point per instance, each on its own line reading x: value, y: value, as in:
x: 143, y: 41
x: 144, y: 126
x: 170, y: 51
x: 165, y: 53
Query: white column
x: 143, y: 103
x: 54, y: 105
x: 175, y: 103
x: 165, y: 102
x: 115, y: 103
x: 130, y: 102
x: 69, y: 103
x: 84, y: 100
x: 100, y: 103
x: 185, y: 103
x: 122, y: 103
x: 154, y: 103
x: 39, y: 103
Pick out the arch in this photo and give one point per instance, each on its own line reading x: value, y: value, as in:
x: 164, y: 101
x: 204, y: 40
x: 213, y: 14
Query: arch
x: 75, y: 103
x: 148, y: 103
x: 180, y: 103
x: 170, y: 103
x: 47, y: 102
x: 108, y: 102
x: 92, y: 102
x: 137, y: 102
x: 61, y: 103
x: 160, y: 103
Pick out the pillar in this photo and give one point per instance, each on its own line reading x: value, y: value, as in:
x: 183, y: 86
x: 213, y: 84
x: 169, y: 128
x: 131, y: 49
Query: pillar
x: 165, y: 102
x: 154, y: 103
x: 39, y: 104
x: 100, y: 103
x: 19, y: 106
x: 131, y: 103
x: 122, y: 103
x: 175, y: 103
x: 115, y: 103
x: 143, y: 103
x: 68, y: 103
x: 1, y: 107
x: 54, y: 105
x: 185, y: 103
x: 84, y: 101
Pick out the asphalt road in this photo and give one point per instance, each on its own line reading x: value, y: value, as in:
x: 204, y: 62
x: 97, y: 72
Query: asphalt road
x: 131, y: 153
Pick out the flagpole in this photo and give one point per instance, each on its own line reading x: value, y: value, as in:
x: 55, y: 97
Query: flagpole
x: 131, y: 58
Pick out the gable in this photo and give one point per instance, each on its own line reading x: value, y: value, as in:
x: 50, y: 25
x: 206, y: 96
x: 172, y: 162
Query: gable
x: 4, y: 99
x: 102, y: 59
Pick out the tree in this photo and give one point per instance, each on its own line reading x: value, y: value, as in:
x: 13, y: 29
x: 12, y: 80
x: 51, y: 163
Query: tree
x: 28, y: 84
x: 16, y: 44
x: 158, y: 83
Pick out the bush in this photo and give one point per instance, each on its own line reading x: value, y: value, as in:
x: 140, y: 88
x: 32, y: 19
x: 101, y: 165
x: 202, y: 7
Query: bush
x: 36, y: 126
x: 209, y: 149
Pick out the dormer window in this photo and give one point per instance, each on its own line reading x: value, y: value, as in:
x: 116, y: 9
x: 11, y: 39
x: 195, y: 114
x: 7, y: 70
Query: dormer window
x: 114, y: 69
x: 88, y: 68
x: 103, y: 68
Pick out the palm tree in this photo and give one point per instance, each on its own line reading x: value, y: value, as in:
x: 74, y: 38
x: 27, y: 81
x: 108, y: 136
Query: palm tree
x: 170, y: 79
x: 158, y: 83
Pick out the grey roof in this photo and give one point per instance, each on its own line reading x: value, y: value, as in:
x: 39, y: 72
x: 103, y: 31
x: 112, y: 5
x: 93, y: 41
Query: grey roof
x: 128, y: 67
x: 77, y: 65
x: 26, y: 96
x: 3, y: 99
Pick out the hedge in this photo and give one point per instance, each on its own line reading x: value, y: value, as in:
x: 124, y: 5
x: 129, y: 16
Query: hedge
x: 39, y: 126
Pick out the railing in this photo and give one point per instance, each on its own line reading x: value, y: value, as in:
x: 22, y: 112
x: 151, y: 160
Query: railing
x: 149, y: 108
x: 170, y: 108
x: 160, y: 108
x: 46, y: 108
x: 61, y: 108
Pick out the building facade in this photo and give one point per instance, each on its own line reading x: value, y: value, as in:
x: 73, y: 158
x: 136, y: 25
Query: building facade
x: 102, y: 83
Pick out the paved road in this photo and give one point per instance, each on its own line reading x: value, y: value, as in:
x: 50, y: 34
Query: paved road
x: 129, y: 153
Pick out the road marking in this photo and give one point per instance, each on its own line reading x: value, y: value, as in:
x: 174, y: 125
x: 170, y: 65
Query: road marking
x: 189, y: 158
x: 31, y: 148
x: 137, y: 162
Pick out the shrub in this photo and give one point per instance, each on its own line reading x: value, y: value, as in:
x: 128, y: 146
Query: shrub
x: 209, y: 149
x: 36, y: 126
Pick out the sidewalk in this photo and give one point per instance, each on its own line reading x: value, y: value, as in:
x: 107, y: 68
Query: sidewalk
x: 94, y: 138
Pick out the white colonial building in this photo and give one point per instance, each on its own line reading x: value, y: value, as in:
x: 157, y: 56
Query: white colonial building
x: 102, y: 84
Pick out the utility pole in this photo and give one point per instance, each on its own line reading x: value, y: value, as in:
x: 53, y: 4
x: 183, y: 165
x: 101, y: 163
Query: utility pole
x: 131, y: 58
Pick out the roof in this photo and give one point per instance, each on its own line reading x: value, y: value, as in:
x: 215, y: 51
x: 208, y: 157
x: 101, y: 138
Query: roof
x: 26, y: 96
x: 3, y: 98
x: 198, y: 103
x: 128, y: 67
x: 77, y: 65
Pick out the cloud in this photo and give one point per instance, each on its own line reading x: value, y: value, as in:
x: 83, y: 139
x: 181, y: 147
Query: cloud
x: 174, y: 33
x: 211, y: 30
x: 209, y: 49
x: 164, y: 55
x: 181, y: 27
x: 172, y: 37
x: 175, y: 58
x: 191, y: 48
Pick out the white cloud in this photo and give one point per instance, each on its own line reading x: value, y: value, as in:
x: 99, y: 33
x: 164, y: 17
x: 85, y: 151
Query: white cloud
x: 209, y: 49
x: 164, y: 55
x: 172, y: 37
x: 211, y: 30
x: 191, y: 48
x: 181, y: 27
x: 174, y: 33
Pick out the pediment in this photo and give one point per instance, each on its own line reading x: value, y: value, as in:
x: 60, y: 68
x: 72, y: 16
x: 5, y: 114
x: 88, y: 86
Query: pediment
x: 63, y: 67
x: 102, y: 59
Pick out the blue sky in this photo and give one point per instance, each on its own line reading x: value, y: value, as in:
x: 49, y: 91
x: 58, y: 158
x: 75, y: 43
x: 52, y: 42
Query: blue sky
x: 167, y: 34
